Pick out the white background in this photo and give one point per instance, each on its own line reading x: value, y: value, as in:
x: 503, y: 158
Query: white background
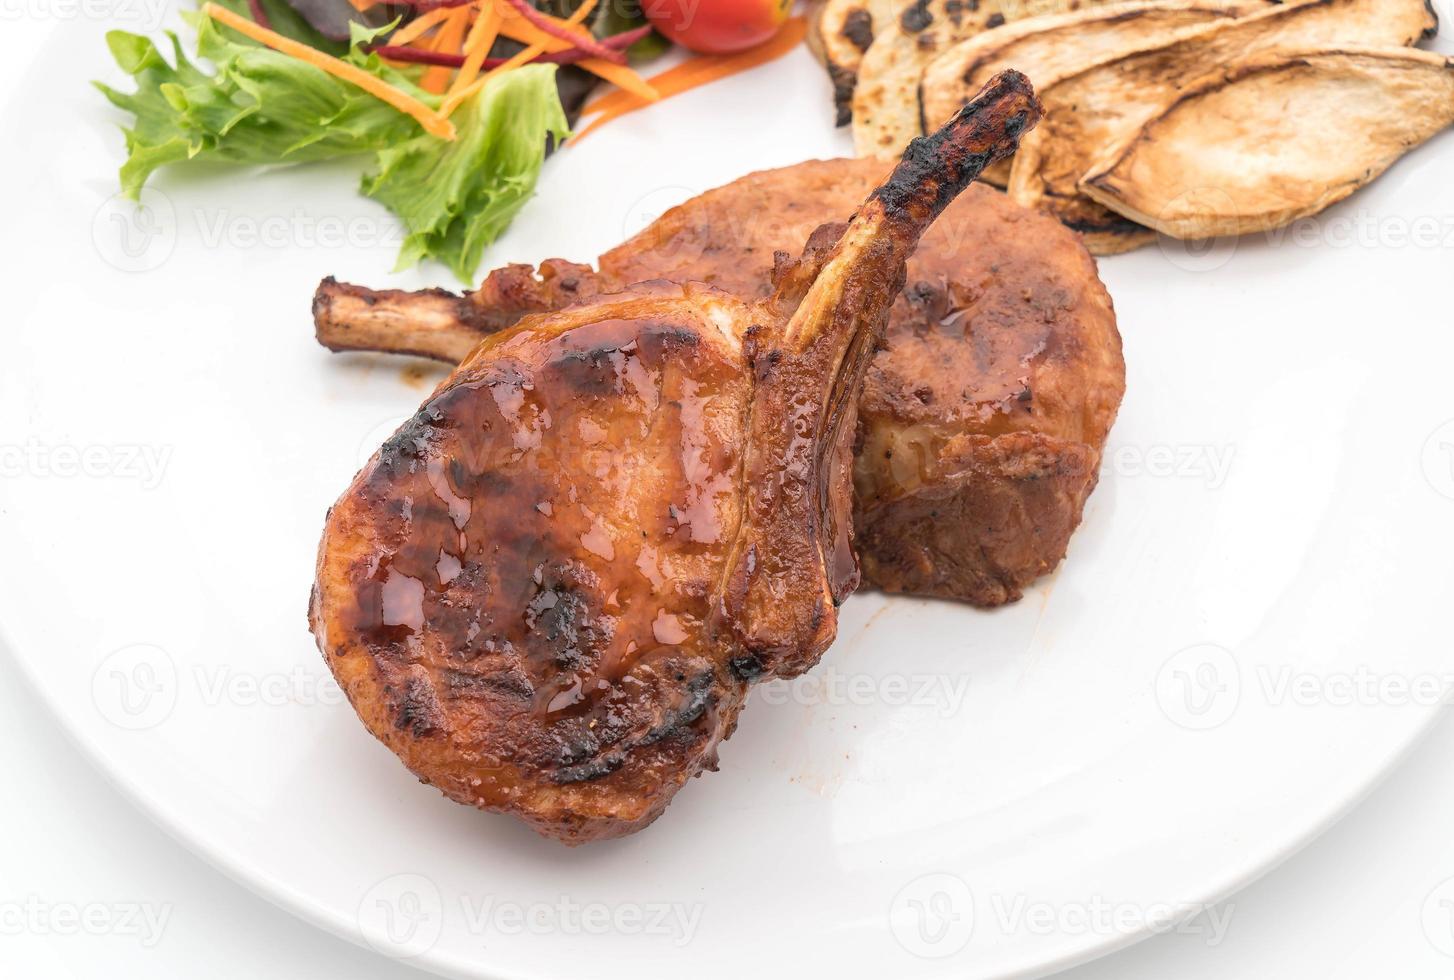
x: 1350, y: 905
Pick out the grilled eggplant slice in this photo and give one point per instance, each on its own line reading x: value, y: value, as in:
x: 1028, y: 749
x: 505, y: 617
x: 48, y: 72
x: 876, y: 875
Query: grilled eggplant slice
x: 885, y: 98
x: 842, y: 32
x: 1053, y: 45
x: 1094, y: 110
x: 1206, y: 166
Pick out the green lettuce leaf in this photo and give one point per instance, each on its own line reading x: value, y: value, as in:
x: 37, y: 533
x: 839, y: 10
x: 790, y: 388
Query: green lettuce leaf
x: 434, y: 186
x: 262, y: 107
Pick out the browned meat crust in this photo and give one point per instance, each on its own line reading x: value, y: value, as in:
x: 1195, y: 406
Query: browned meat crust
x: 550, y: 590
x: 1003, y: 327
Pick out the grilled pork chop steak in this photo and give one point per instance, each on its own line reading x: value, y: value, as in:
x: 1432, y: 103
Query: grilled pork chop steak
x: 983, y: 415
x: 551, y: 589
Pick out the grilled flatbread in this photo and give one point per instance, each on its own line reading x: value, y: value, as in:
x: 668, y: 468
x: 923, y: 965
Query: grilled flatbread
x: 1091, y: 111
x: 885, y: 100
x: 1206, y: 167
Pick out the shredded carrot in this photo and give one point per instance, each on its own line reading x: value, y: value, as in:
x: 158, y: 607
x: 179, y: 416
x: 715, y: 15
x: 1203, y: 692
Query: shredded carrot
x: 517, y: 28
x: 673, y: 81
x: 362, y: 5
x: 520, y: 29
x: 565, y: 30
x: 456, y: 23
x: 694, y: 72
x: 600, y: 121
x: 432, y: 121
x: 538, y: 43
x: 452, y: 101
x: 448, y: 41
x: 571, y: 25
x: 477, y: 47
x: 416, y: 27
x: 676, y: 79
x: 622, y: 77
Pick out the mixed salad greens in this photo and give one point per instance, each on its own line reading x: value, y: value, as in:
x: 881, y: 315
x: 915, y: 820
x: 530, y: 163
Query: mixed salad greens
x: 259, y: 106
x: 454, y: 103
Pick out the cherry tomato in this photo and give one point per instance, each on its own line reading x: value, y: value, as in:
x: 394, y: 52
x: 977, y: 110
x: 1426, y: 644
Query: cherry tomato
x: 717, y: 26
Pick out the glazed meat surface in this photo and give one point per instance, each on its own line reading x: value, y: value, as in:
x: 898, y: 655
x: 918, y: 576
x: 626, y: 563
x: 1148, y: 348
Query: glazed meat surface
x: 983, y: 415
x: 550, y: 590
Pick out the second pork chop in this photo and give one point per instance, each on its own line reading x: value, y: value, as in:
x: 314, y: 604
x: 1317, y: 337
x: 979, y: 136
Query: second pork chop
x: 983, y: 417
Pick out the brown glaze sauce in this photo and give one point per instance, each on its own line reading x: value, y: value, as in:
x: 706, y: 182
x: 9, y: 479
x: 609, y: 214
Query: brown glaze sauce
x: 525, y: 485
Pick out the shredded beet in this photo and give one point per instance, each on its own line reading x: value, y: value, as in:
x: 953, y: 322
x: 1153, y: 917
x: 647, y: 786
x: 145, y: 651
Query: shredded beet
x: 588, y: 44
x: 591, y: 47
x: 255, y: 7
x: 616, y: 43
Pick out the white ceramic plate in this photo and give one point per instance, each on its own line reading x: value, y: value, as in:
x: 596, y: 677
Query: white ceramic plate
x: 1247, y: 632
